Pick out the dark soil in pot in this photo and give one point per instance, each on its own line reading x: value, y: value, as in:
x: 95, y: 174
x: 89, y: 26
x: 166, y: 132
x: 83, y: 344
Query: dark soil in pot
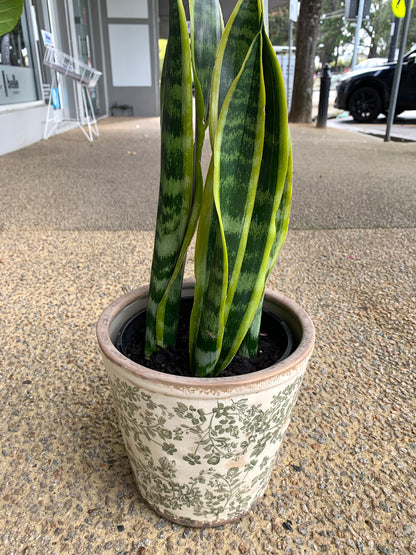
x: 275, y: 344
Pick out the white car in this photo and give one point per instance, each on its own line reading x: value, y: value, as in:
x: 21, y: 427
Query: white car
x: 370, y: 62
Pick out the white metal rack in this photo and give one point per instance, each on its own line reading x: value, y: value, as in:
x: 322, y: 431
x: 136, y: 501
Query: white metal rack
x: 86, y: 78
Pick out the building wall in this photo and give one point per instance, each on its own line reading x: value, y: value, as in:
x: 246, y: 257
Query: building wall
x: 21, y: 127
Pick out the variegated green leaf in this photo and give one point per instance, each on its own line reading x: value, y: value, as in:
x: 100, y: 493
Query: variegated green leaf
x: 208, y: 339
x: 206, y: 30
x: 204, y: 247
x: 283, y: 212
x: 250, y: 344
x: 242, y: 27
x: 207, y: 318
x: 237, y: 159
x: 175, y: 195
x: 265, y: 236
x: 206, y: 24
x: 236, y: 165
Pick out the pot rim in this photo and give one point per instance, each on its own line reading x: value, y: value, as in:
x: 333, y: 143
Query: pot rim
x: 302, y: 351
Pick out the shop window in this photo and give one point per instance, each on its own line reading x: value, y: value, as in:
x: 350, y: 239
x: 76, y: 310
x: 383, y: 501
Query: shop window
x: 17, y: 77
x: 84, y: 33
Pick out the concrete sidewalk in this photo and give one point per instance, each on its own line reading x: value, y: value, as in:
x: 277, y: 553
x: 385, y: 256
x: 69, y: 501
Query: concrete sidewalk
x: 403, y: 128
x: 77, y: 223
x: 341, y: 180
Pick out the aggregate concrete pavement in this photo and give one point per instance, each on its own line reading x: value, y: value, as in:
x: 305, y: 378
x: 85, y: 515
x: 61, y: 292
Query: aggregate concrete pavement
x: 76, y: 223
x: 341, y: 180
x: 403, y: 128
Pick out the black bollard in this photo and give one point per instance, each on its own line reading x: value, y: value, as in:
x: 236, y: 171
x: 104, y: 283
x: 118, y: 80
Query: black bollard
x: 324, y: 97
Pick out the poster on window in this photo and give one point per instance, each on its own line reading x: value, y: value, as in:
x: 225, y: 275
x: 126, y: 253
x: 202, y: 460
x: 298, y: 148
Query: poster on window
x: 17, y: 84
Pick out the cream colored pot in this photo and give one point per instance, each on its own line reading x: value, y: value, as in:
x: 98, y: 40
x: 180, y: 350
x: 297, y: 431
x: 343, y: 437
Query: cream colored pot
x: 202, y: 449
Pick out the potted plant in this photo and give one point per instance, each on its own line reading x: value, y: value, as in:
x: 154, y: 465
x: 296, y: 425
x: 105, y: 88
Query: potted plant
x: 202, y: 427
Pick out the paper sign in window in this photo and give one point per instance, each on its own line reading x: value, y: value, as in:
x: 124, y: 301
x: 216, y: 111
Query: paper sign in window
x: 130, y: 55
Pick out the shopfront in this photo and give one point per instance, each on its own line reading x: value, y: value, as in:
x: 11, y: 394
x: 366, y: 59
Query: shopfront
x: 117, y: 37
x: 18, y: 82
x: 25, y: 81
x: 86, y: 46
x: 21, y: 96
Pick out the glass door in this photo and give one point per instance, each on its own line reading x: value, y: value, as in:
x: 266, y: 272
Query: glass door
x: 84, y: 37
x: 17, y: 75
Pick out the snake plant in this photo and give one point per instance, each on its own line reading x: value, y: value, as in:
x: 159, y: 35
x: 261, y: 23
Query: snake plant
x: 242, y: 209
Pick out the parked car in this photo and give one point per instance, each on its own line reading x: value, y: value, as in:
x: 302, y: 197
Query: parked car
x: 365, y: 93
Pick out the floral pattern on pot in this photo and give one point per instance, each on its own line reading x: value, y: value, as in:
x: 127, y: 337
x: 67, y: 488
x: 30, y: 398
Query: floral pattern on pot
x: 203, y: 462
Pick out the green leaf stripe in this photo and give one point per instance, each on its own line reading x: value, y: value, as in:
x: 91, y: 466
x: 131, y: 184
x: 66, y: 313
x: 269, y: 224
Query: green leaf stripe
x: 207, y: 347
x: 175, y: 195
x: 207, y: 318
x: 206, y: 30
x: 235, y: 175
x: 237, y: 159
x: 283, y: 212
x: 249, y: 346
x: 247, y: 300
x: 242, y: 27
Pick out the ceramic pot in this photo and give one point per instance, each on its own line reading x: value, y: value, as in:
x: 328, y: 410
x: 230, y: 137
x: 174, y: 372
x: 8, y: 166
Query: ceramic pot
x: 202, y: 449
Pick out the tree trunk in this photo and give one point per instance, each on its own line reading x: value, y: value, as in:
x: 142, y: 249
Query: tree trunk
x: 373, y: 47
x: 306, y: 39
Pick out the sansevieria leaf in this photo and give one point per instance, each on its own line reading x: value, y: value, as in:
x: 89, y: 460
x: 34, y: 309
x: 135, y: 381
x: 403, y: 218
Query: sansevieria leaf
x: 206, y: 19
x: 206, y: 30
x: 210, y: 266
x: 175, y: 194
x: 262, y: 232
x: 282, y: 225
x: 236, y: 165
x: 211, y: 262
x: 237, y: 160
x: 242, y: 27
x: 242, y: 214
x: 270, y: 219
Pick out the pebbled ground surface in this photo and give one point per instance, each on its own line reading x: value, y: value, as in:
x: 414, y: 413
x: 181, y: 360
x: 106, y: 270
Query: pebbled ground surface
x: 77, y: 222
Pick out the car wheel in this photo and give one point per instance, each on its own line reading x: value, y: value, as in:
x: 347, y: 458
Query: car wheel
x: 365, y: 104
